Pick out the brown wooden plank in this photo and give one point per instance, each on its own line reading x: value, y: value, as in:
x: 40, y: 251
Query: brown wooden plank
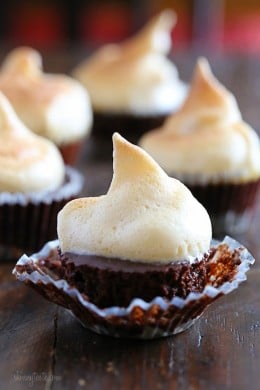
x: 27, y: 335
x: 221, y: 349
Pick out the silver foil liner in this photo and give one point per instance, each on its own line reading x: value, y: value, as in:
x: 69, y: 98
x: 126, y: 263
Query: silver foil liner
x: 145, y: 320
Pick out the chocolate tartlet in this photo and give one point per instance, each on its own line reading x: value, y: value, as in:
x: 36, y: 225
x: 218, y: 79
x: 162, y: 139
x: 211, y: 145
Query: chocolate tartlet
x: 208, y: 146
x: 146, y: 270
x: 34, y: 185
x: 226, y: 268
x: 133, y: 86
x: 54, y: 106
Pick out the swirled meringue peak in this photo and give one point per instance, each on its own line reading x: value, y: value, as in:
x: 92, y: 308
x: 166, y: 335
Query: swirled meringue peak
x: 207, y: 136
x: 145, y: 216
x: 53, y: 105
x: 135, y: 76
x: 28, y: 162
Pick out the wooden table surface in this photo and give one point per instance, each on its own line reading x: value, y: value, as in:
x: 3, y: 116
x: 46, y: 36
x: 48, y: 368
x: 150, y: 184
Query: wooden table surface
x: 43, y: 347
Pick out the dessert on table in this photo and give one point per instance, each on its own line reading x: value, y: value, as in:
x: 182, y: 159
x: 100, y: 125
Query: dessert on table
x: 34, y: 185
x: 208, y: 146
x: 138, y: 261
x: 133, y: 85
x: 55, y: 106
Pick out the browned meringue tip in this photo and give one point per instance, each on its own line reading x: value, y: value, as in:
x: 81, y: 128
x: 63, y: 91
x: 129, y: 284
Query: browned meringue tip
x: 23, y: 59
x: 144, y: 320
x: 202, y: 75
x: 145, y: 39
x: 167, y: 18
x: 203, y: 66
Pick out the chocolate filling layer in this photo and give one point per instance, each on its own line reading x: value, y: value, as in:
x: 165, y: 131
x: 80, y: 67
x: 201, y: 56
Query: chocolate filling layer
x: 109, y: 281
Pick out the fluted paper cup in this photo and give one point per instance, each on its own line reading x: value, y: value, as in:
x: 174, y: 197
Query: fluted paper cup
x: 27, y: 221
x: 140, y: 319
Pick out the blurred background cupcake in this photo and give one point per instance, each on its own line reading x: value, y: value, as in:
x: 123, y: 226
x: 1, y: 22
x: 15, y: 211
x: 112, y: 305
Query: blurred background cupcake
x: 212, y: 150
x: 133, y: 86
x: 34, y: 186
x: 52, y: 105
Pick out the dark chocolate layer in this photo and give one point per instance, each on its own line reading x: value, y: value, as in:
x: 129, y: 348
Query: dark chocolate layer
x: 114, y: 282
x: 221, y: 266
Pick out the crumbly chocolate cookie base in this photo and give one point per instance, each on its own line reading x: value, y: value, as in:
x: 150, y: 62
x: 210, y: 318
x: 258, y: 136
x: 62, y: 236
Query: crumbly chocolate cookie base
x: 225, y: 270
x: 113, y: 282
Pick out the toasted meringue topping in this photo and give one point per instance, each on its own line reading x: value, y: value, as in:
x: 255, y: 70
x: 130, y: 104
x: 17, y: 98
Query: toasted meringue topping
x: 207, y: 136
x: 28, y: 162
x: 135, y: 76
x: 145, y: 216
x: 24, y: 61
x: 55, y: 106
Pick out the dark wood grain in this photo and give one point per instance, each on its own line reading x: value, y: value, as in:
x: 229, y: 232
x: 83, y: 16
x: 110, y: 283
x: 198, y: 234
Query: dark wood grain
x: 27, y: 333
x: 220, y: 349
x: 42, y: 346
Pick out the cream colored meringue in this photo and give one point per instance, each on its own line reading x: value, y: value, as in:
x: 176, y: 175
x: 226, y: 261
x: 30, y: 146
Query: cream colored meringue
x: 28, y: 162
x: 145, y: 216
x: 136, y: 76
x: 207, y: 136
x: 54, y: 106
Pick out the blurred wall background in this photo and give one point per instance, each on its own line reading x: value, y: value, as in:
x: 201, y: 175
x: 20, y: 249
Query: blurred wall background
x: 216, y: 25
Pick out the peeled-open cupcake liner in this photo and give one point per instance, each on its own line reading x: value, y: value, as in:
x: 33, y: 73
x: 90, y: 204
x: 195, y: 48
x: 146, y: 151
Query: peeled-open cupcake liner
x: 27, y: 221
x: 140, y: 319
